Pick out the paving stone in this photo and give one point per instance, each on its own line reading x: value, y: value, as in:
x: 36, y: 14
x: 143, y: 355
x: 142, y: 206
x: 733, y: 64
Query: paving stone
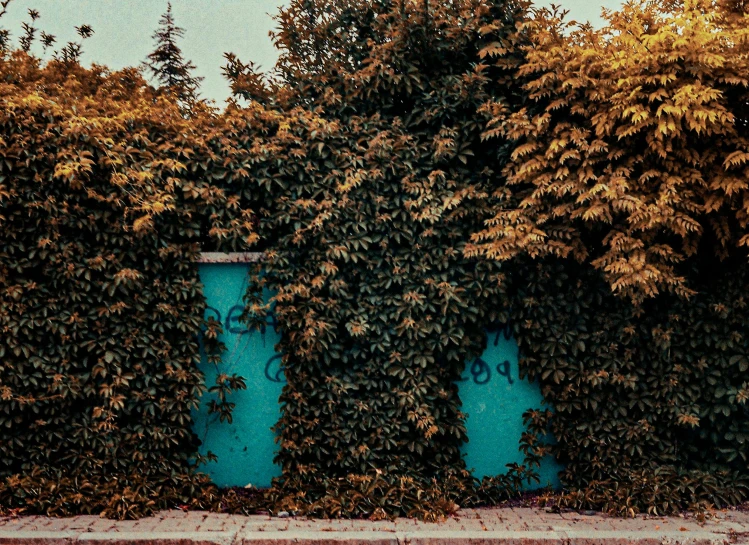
x: 466, y: 527
x: 317, y: 538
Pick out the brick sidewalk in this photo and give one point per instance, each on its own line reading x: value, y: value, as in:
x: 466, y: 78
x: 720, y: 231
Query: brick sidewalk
x: 474, y: 527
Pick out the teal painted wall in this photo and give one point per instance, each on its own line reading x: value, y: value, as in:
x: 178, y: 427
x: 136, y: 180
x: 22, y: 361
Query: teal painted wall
x: 493, y: 396
x: 245, y: 448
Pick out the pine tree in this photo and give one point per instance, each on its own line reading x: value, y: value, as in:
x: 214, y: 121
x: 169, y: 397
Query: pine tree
x: 167, y: 65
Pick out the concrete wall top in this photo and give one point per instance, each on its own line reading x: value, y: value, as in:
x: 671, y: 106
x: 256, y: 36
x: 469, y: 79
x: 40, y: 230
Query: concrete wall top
x: 233, y: 257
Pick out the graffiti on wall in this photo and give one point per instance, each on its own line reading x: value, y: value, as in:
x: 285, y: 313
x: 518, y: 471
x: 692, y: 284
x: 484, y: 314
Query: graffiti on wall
x: 233, y: 326
x: 246, y: 446
x: 493, y: 396
x: 478, y: 370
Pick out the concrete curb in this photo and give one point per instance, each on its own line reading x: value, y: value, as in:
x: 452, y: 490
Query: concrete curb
x: 501, y: 526
x: 118, y: 538
x: 251, y: 537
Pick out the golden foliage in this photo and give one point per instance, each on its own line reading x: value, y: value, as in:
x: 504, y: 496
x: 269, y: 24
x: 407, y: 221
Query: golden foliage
x: 100, y: 303
x: 632, y: 152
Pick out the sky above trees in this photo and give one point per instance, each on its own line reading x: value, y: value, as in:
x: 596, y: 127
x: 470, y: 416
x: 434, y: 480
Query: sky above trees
x: 123, y: 30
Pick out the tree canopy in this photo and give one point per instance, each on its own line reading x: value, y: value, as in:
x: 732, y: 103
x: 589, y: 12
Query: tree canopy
x: 631, y: 153
x: 375, y: 177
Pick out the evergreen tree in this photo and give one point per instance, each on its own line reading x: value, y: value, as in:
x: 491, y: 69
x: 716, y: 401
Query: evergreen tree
x: 167, y: 65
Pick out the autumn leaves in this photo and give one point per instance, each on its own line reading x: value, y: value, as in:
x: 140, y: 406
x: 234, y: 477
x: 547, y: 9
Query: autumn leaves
x: 414, y: 172
x: 631, y: 153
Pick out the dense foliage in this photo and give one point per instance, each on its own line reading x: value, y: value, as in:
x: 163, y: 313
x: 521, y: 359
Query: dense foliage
x: 418, y: 171
x: 589, y: 202
x: 100, y: 302
x: 631, y: 153
x: 649, y: 403
x: 375, y: 179
x: 629, y: 177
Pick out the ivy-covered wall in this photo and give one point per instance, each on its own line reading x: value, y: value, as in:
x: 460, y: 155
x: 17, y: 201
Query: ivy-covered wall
x: 493, y: 395
x: 100, y: 299
x: 416, y: 173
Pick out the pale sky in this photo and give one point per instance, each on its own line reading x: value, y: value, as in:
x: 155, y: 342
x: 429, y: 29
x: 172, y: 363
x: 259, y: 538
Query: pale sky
x: 123, y: 29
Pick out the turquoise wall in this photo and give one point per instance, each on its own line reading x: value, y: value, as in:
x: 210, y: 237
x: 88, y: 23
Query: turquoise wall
x: 493, y: 396
x: 245, y: 448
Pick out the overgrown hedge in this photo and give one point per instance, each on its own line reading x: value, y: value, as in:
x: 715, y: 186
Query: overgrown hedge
x: 456, y: 165
x: 629, y: 177
x: 373, y: 190
x: 649, y: 403
x: 104, y: 194
x: 565, y: 175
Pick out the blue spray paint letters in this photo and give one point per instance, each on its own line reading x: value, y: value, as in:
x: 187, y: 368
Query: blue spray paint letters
x: 233, y: 326
x: 481, y: 372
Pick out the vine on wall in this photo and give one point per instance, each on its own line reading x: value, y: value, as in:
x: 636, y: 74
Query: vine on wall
x: 375, y: 176
x: 628, y: 177
x: 105, y: 195
x: 591, y: 172
x: 417, y: 171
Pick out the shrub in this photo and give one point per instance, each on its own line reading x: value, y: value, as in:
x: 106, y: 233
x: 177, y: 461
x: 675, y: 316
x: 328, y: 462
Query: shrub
x: 104, y: 198
x: 375, y: 174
